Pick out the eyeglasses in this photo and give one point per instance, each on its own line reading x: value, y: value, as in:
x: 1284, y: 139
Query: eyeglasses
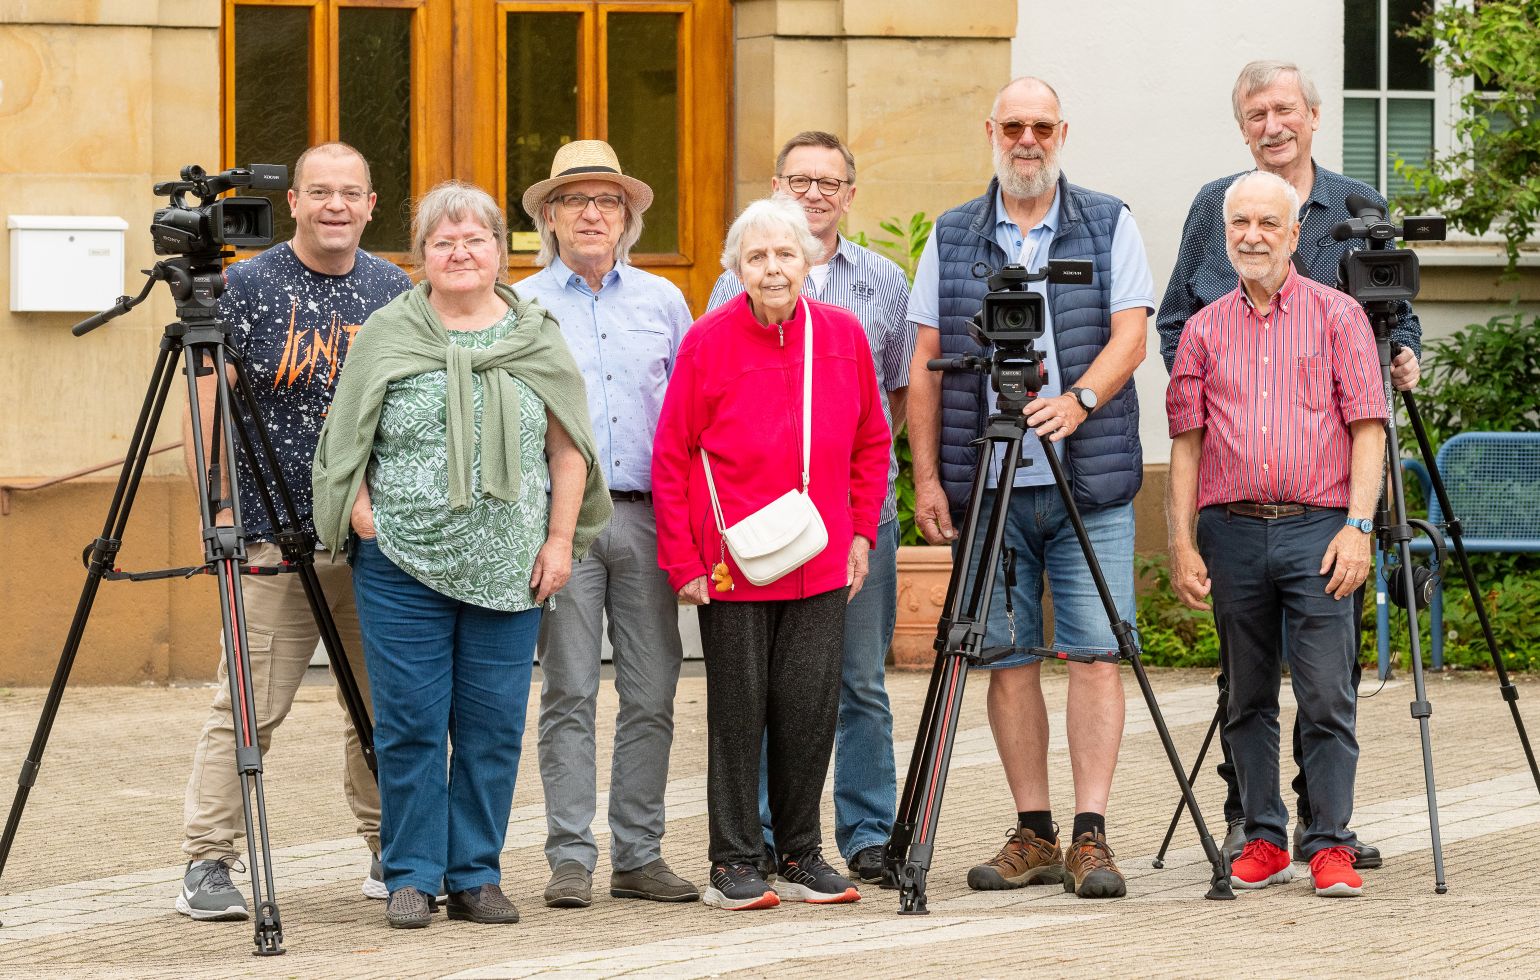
x: 446, y: 247
x: 352, y: 195
x: 578, y: 203
x: 799, y: 183
x: 1041, y: 130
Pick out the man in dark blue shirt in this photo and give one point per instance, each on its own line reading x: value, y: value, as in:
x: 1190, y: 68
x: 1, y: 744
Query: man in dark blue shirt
x: 293, y: 311
x: 1279, y: 110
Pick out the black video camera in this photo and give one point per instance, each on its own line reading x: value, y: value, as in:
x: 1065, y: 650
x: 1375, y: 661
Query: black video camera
x: 204, y: 228
x: 1013, y: 316
x: 1382, y: 273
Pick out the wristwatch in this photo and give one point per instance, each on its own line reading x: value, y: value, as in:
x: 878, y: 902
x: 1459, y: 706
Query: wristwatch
x: 1085, y: 396
x: 1362, y: 523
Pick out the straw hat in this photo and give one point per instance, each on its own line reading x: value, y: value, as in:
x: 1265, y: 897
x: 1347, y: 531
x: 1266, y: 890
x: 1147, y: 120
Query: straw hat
x: 586, y: 160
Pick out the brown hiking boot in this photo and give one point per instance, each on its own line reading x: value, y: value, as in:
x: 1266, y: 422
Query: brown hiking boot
x: 1026, y: 859
x: 1091, y: 873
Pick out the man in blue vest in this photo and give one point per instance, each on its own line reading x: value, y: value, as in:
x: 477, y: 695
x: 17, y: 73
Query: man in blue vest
x: 1088, y: 409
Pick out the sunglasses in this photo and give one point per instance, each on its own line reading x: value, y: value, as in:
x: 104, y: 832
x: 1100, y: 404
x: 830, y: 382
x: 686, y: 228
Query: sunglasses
x: 1041, y: 130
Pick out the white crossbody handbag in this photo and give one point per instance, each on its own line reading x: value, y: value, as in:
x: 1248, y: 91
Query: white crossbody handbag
x: 786, y: 533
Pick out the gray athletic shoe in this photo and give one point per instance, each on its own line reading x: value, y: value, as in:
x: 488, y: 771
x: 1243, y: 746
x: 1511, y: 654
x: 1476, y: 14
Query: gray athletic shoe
x: 374, y: 885
x: 209, y: 895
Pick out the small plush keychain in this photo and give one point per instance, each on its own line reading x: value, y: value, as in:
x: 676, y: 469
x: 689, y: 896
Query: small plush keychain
x: 720, y: 576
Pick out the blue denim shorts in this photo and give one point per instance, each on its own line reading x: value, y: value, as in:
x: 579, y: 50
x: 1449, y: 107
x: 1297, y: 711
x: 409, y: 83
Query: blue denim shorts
x: 1038, y: 528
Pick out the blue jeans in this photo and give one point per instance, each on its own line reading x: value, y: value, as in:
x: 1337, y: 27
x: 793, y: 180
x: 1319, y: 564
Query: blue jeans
x: 1037, y: 527
x: 865, y: 781
x: 442, y: 671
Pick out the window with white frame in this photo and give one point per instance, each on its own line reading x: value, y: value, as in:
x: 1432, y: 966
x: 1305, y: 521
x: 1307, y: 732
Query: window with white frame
x: 1393, y: 102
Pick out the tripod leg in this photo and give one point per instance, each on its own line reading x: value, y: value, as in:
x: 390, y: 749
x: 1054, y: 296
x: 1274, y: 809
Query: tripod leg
x: 897, y: 850
x: 1192, y: 777
x: 1510, y: 693
x: 1219, y: 884
x: 225, y: 550
x: 102, y: 554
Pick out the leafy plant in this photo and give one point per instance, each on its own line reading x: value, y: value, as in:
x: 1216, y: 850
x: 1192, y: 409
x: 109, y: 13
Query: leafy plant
x: 1492, y: 174
x: 1485, y: 377
x: 1170, y: 634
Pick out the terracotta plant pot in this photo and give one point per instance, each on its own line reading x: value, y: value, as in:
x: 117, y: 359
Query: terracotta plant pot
x: 923, y: 571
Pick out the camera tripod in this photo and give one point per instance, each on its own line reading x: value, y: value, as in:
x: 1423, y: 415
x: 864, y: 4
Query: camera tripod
x: 200, y: 339
x: 960, y: 635
x: 1395, y: 531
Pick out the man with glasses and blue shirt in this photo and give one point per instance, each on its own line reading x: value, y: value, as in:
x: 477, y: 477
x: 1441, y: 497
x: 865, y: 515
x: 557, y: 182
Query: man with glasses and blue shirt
x: 623, y: 326
x: 817, y: 171
x: 1088, y: 408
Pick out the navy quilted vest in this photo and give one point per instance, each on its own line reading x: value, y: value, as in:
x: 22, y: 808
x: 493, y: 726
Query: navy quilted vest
x: 1103, y: 460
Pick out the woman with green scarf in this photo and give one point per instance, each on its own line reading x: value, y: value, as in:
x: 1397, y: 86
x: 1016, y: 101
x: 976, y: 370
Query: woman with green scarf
x: 458, y: 404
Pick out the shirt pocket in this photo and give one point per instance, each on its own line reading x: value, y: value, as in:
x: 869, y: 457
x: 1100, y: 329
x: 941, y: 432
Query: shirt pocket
x: 1314, y: 386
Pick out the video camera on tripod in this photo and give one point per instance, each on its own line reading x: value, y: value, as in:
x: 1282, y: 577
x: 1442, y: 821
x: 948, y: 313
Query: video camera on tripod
x: 1382, y: 274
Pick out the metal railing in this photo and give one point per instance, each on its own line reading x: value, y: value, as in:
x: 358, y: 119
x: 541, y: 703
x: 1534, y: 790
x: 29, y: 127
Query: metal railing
x: 6, y: 489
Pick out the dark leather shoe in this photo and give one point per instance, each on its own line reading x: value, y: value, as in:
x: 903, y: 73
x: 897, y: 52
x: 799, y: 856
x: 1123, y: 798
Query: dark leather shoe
x: 487, y: 905
x: 1368, y: 855
x: 866, y: 865
x: 409, y: 908
x: 1235, y: 839
x: 570, y: 887
x: 654, y: 881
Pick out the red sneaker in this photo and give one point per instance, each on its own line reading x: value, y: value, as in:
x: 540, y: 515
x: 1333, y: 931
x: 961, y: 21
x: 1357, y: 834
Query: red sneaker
x: 1261, y: 864
x: 1332, y: 869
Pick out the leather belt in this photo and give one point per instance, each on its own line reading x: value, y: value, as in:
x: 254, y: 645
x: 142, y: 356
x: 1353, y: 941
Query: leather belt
x: 1267, y: 512
x: 631, y: 496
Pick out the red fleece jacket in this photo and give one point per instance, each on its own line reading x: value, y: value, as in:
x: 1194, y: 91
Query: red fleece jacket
x: 737, y: 390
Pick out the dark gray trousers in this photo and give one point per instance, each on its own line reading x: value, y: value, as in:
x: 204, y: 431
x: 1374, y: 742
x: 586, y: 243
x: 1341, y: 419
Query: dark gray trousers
x: 772, y: 679
x: 1262, y: 572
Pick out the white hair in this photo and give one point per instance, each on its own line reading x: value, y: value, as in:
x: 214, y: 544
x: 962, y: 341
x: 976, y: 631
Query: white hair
x: 779, y: 213
x: 1258, y: 75
x: 1252, y: 176
x: 455, y: 200
x: 630, y: 232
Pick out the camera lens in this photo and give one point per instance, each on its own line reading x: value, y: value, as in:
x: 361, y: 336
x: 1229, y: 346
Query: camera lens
x: 1382, y: 275
x: 1013, y: 318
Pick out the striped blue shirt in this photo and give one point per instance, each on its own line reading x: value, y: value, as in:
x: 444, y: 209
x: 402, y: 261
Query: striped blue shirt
x: 875, y: 290
x: 624, y: 338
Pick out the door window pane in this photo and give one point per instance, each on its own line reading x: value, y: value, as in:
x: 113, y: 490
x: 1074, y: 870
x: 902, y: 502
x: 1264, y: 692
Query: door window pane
x: 1409, y: 136
x: 1361, y: 140
x: 1361, y: 44
x: 272, y: 96
x: 374, y: 56
x: 542, y: 87
x: 1405, y: 68
x: 643, y: 112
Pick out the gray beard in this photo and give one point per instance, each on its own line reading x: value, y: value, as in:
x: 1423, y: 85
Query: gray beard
x: 1017, y: 185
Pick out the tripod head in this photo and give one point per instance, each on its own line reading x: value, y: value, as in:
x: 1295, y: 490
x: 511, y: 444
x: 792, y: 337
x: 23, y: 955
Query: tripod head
x: 195, y: 237
x: 1011, y: 318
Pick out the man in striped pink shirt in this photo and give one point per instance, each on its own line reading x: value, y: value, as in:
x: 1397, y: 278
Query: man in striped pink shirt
x: 1277, y: 416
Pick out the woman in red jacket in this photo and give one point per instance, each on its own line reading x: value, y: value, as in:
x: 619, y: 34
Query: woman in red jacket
x: 773, y: 651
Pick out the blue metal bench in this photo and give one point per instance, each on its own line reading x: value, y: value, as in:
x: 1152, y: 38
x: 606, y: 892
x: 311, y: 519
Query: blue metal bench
x: 1493, y: 482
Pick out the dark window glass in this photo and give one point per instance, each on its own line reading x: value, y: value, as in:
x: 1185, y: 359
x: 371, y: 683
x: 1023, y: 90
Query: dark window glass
x: 1406, y: 69
x: 374, y: 89
x: 272, y: 94
x: 542, y: 97
x: 1361, y: 44
x: 643, y: 111
x: 1361, y: 140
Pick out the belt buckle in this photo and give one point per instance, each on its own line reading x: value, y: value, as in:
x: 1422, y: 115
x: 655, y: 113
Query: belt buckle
x: 1271, y: 512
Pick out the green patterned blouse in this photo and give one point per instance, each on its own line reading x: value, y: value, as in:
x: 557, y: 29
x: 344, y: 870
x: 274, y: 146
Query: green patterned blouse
x: 482, y: 555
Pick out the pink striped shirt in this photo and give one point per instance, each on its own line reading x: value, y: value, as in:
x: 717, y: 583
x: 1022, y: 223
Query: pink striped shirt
x: 1276, y: 394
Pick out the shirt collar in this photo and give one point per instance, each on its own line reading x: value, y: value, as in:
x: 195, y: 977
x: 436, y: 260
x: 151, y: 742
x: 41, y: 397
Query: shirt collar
x: 567, y: 278
x: 1282, y: 299
x: 1050, y: 222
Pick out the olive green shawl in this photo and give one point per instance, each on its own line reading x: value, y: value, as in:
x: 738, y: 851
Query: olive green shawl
x: 405, y: 337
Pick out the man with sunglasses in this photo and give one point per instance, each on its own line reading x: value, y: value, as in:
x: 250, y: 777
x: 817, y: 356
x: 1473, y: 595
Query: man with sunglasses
x: 1095, y: 338
x: 623, y: 326
x: 817, y: 171
x: 293, y: 311
x: 1278, y: 110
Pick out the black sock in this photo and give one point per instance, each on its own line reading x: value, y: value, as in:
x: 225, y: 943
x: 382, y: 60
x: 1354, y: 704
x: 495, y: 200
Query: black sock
x: 1040, y: 822
x: 1087, y: 823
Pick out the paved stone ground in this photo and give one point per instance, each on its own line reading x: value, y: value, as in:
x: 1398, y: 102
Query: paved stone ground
x: 89, y: 887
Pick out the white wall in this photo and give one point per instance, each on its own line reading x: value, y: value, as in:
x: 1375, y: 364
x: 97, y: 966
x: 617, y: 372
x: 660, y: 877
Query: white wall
x: 1146, y: 89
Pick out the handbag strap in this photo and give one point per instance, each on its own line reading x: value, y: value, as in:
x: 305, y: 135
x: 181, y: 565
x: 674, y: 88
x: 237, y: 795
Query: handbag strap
x: 807, y: 421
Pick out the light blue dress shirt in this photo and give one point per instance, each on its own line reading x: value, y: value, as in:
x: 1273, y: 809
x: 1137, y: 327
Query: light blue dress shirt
x: 1132, y: 286
x: 624, y: 338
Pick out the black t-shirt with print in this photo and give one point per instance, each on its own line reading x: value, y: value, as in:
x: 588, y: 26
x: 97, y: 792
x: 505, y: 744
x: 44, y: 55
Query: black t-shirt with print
x: 291, y: 326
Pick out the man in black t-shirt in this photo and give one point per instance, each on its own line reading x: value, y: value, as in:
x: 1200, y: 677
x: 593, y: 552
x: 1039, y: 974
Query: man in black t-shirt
x: 293, y: 311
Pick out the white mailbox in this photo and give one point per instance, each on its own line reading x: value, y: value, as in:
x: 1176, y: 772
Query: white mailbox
x: 65, y: 263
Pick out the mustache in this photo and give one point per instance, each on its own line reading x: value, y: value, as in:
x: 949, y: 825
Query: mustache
x: 1278, y: 140
x: 1036, y: 153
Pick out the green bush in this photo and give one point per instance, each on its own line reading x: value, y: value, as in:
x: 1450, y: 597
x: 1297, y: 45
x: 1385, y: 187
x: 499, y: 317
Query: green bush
x: 1170, y: 634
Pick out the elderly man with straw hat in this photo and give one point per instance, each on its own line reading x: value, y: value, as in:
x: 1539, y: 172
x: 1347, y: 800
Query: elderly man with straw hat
x: 624, y: 327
